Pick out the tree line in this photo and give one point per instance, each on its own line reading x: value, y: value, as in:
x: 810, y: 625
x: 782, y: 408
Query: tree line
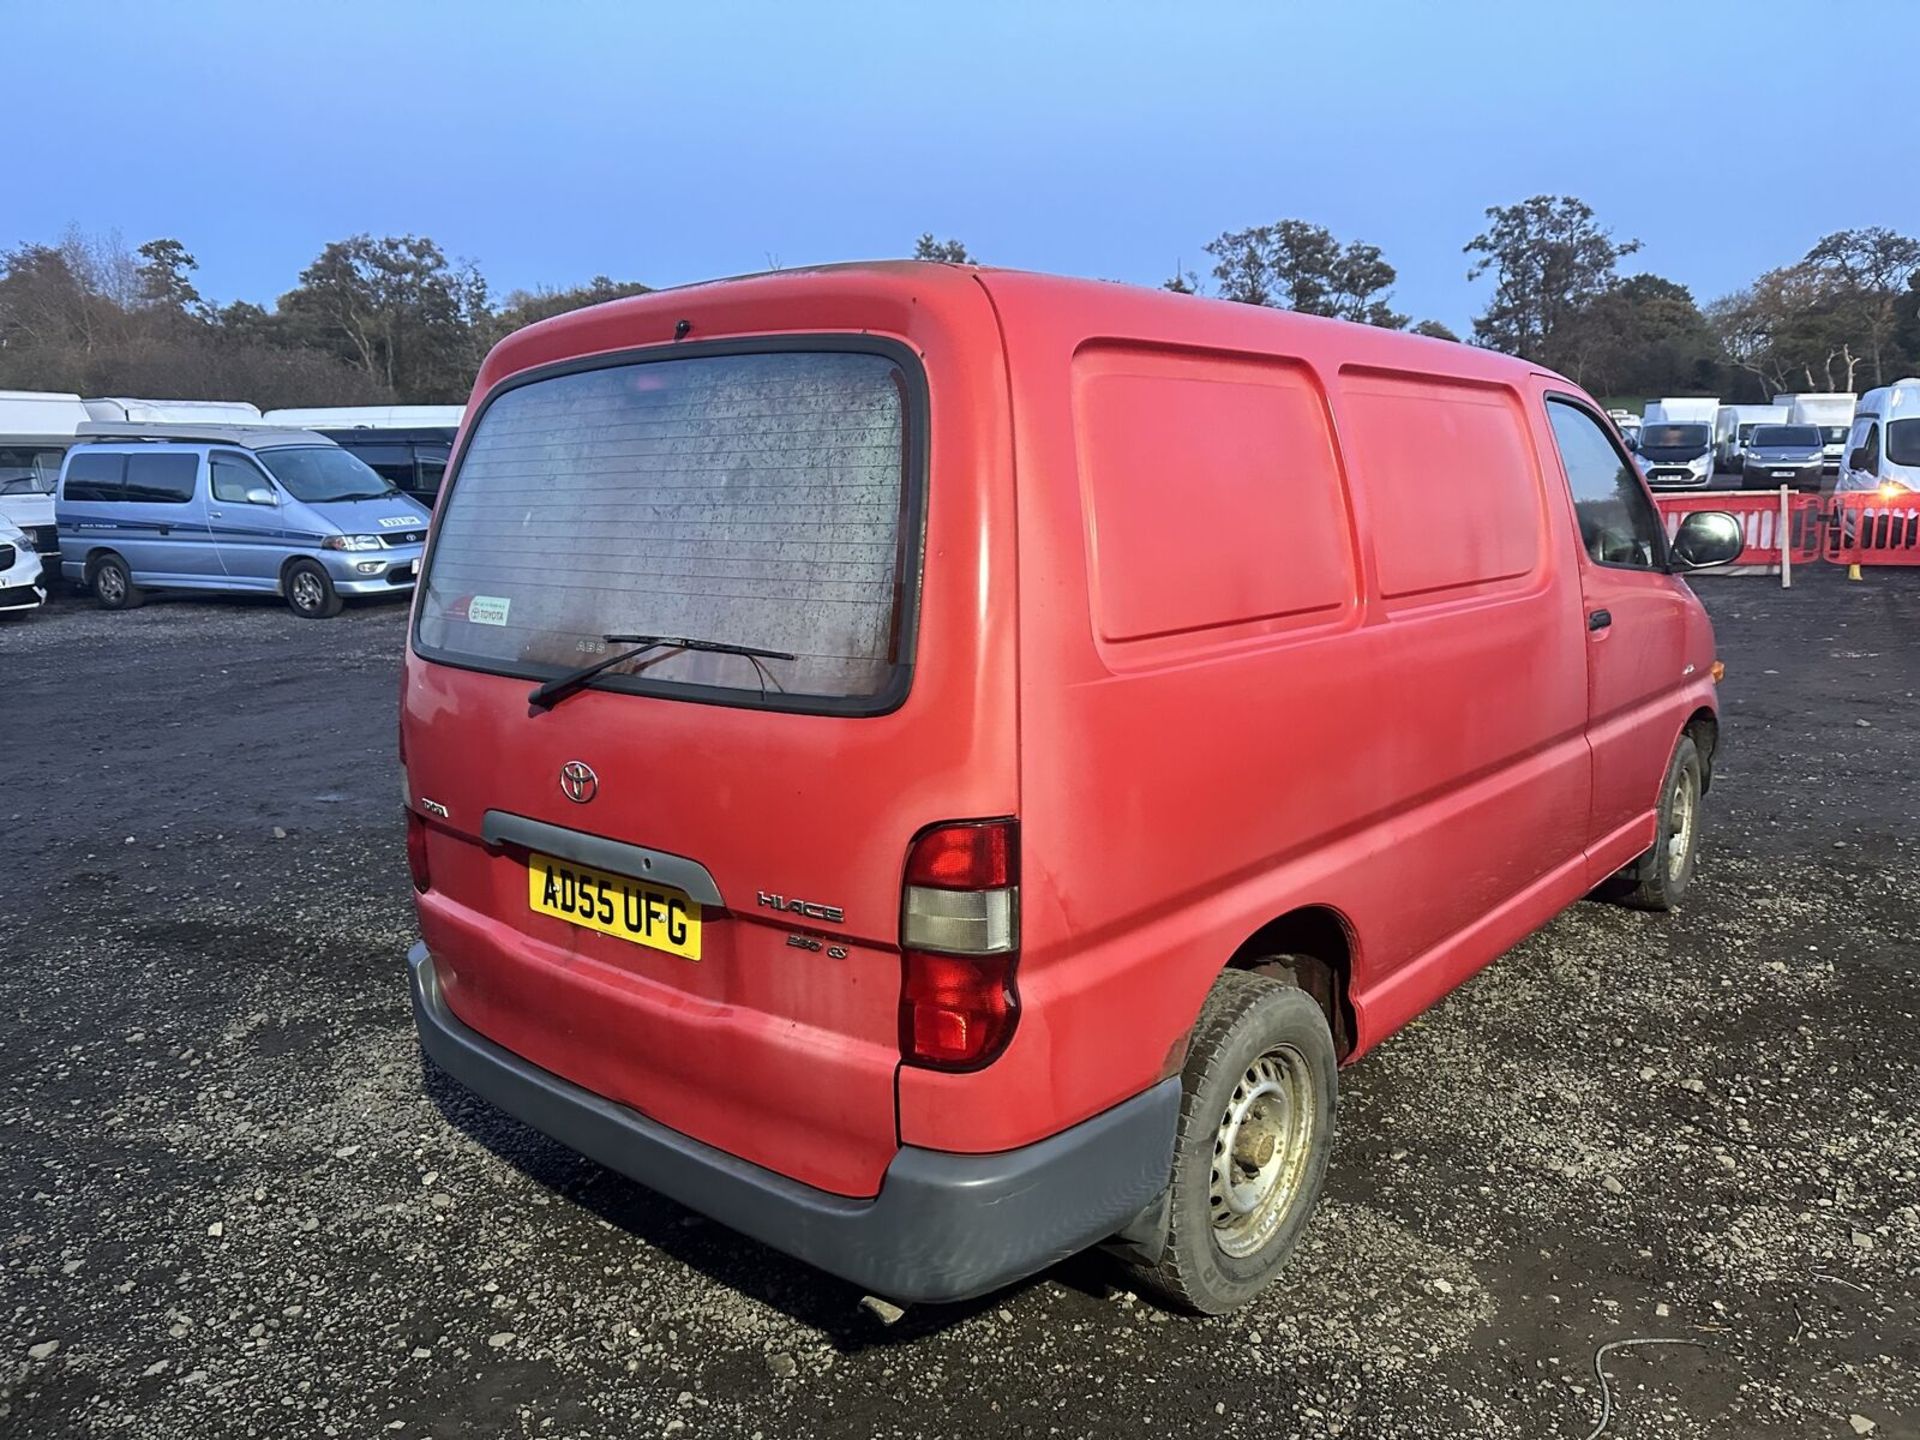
x: 372, y: 321
x: 1844, y: 316
x: 395, y: 320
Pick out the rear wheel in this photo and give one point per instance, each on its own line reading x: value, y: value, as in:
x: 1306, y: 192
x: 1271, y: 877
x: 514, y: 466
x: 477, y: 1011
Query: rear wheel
x: 310, y: 593
x: 1250, y: 1151
x: 1664, y: 872
x: 113, y: 584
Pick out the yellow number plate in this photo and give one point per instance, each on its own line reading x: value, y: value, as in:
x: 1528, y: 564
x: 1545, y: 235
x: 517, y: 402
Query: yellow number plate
x: 656, y: 916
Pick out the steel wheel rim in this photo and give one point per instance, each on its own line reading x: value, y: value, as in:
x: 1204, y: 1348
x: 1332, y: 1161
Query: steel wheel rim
x: 1260, y: 1151
x: 306, y: 590
x: 1684, y: 807
x: 112, y: 587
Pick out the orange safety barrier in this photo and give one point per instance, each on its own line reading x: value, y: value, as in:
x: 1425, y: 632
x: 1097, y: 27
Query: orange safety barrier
x: 1758, y: 512
x: 1868, y: 528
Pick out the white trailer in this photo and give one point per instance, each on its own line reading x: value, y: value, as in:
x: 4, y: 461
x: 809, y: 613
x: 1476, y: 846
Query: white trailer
x: 1831, y: 411
x: 36, y: 430
x: 1682, y: 410
x: 369, y: 417
x: 172, y: 412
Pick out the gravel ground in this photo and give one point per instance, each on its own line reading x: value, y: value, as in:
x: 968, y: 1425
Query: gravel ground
x: 235, y: 1205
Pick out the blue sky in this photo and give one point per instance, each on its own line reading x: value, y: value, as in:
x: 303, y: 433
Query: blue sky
x: 670, y: 143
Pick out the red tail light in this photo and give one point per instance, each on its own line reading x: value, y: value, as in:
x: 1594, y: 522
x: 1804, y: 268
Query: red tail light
x: 979, y: 855
x: 960, y: 941
x: 417, y: 851
x: 957, y: 1012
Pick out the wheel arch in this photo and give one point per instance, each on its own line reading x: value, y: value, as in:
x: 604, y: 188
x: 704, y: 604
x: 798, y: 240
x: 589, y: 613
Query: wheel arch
x: 93, y: 558
x: 1320, y: 944
x: 286, y: 567
x: 1703, y: 726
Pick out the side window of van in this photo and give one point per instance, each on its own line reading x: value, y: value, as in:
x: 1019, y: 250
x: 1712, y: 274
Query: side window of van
x: 163, y: 479
x: 1618, y: 523
x: 233, y: 477
x: 1871, y: 460
x: 97, y: 476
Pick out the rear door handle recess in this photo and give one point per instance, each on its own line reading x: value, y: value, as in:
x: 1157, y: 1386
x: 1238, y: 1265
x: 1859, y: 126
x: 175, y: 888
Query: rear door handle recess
x: 1599, y: 619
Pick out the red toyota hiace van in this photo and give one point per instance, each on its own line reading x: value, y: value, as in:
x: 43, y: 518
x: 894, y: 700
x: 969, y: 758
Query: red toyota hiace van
x: 936, y: 767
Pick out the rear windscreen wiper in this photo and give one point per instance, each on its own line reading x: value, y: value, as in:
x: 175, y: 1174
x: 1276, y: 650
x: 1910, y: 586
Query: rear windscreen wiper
x: 545, y: 697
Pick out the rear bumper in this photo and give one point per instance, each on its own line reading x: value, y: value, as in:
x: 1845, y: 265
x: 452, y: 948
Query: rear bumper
x: 943, y: 1227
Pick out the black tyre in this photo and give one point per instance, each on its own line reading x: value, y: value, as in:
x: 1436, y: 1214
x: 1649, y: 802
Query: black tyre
x: 113, y: 585
x: 1661, y: 877
x: 1250, y: 1153
x: 309, y: 591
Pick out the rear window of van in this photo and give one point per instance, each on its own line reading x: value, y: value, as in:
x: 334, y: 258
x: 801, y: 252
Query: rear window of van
x: 755, y: 499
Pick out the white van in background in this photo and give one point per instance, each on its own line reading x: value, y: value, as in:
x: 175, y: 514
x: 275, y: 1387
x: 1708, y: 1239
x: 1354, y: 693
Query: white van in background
x: 36, y: 430
x: 1682, y: 410
x: 1883, y: 447
x: 1676, y: 441
x: 368, y: 417
x: 1831, y: 410
x: 173, y: 412
x: 1732, y: 425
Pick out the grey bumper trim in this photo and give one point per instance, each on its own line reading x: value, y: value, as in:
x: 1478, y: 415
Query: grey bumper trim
x: 943, y: 1227
x: 497, y: 827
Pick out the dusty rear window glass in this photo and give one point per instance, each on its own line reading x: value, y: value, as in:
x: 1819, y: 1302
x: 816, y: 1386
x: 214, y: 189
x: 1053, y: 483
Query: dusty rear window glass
x: 747, y: 499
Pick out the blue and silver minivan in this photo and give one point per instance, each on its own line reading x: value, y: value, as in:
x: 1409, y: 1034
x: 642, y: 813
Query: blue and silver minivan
x: 231, y: 508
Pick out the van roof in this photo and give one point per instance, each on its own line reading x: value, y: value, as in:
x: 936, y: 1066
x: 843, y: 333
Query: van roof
x: 242, y: 437
x: 40, y: 414
x: 368, y: 417
x: 135, y: 408
x: 610, y: 324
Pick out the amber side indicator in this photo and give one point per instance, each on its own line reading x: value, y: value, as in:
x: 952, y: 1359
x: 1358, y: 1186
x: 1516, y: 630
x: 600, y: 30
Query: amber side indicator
x: 1718, y: 671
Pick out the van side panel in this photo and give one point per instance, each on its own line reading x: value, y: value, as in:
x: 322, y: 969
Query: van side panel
x: 1415, y: 761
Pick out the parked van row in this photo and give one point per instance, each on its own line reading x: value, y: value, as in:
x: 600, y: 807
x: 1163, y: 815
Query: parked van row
x: 951, y: 799
x: 1687, y: 441
x: 406, y: 445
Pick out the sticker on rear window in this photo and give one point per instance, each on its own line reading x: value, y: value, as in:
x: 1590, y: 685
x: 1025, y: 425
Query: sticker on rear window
x: 488, y: 609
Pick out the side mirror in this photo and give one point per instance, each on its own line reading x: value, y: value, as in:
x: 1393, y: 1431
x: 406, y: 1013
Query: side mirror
x: 260, y: 495
x: 1631, y: 443
x: 1857, y: 459
x: 1706, y: 537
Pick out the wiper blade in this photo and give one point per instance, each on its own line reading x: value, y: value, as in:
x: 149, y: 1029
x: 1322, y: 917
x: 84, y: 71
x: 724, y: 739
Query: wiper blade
x: 681, y: 642
x: 545, y: 697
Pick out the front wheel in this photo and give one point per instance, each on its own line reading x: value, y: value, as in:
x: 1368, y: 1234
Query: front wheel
x: 1250, y: 1150
x: 310, y: 592
x: 113, y: 585
x: 1664, y: 872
